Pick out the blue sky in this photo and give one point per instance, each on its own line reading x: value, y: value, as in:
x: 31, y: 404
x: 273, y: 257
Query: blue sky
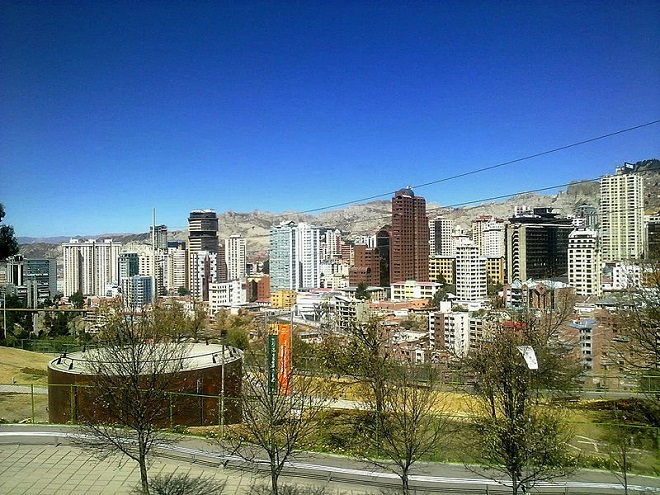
x: 111, y: 109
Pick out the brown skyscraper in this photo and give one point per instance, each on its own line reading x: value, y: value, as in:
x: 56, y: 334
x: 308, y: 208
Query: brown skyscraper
x: 409, y: 244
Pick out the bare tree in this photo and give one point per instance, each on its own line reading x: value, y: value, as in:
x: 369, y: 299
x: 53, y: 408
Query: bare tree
x: 516, y: 434
x: 130, y: 374
x: 363, y: 353
x: 625, y: 442
x: 277, y: 424
x: 411, y: 424
x: 639, y: 320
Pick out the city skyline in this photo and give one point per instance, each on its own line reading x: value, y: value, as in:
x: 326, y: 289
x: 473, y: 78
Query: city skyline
x: 109, y: 111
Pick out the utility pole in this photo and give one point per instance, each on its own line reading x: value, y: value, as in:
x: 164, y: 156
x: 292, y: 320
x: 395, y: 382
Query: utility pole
x: 4, y: 313
x: 223, y: 337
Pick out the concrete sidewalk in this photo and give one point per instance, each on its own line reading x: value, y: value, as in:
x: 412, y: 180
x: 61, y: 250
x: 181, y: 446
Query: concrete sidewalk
x: 66, y: 469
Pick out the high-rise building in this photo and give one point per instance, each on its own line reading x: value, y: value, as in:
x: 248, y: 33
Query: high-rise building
x: 332, y: 244
x: 236, y: 257
x: 129, y: 265
x: 177, y: 273
x: 204, y: 272
x: 89, y: 266
x: 366, y: 266
x: 34, y: 280
x: 492, y: 239
x: 159, y: 236
x: 485, y: 229
x: 471, y: 280
x: 622, y: 215
x: 442, y: 243
x: 537, y: 246
x: 586, y: 216
x: 295, y: 256
x: 584, y: 265
x: 409, y: 243
x: 383, y: 239
x: 203, y: 238
x: 137, y: 291
x: 652, y: 235
x: 203, y: 231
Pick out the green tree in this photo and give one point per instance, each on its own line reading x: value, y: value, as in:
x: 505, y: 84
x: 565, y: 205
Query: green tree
x: 361, y: 292
x: 77, y: 300
x: 235, y: 328
x: 19, y: 323
x: 8, y: 242
x: 442, y: 294
x: 179, y: 321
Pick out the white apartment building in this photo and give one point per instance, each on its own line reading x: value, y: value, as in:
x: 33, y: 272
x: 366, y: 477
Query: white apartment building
x: 90, y: 265
x: 236, y: 257
x: 487, y: 233
x: 204, y: 272
x: 625, y: 276
x: 493, y: 240
x: 226, y: 294
x: 584, y: 262
x: 451, y: 330
x: 177, y: 270
x: 334, y: 275
x: 412, y: 289
x: 309, y: 256
x: 151, y: 263
x: 332, y: 245
x: 471, y: 276
x: 367, y: 240
x: 622, y: 215
x: 295, y: 257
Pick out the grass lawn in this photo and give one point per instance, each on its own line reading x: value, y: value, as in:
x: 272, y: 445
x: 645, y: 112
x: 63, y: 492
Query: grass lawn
x: 23, y: 367
x: 17, y: 408
x: 591, y: 423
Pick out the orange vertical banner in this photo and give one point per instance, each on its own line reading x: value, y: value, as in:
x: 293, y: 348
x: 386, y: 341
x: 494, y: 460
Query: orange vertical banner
x: 284, y: 358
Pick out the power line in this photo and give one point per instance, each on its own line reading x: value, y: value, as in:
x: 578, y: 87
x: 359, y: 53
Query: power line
x: 441, y: 209
x: 492, y: 167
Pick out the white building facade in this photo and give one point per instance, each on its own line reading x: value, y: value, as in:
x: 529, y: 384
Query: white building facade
x: 584, y: 262
x: 295, y: 256
x: 622, y: 215
x: 89, y: 266
x: 471, y: 278
x: 236, y: 257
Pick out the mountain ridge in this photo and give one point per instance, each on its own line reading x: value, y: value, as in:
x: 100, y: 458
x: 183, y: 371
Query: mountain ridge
x: 367, y: 218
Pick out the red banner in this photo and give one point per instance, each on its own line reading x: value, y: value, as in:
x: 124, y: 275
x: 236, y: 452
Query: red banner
x: 284, y: 358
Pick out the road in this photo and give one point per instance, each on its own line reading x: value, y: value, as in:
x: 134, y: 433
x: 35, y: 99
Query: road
x: 432, y: 477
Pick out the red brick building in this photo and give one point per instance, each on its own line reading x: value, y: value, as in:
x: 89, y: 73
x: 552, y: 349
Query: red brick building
x: 409, y: 244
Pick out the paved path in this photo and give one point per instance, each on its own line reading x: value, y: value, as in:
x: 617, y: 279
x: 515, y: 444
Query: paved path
x: 39, y: 460
x: 23, y: 389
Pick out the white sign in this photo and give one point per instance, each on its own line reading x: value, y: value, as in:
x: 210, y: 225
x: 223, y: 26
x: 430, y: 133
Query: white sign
x: 530, y: 356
